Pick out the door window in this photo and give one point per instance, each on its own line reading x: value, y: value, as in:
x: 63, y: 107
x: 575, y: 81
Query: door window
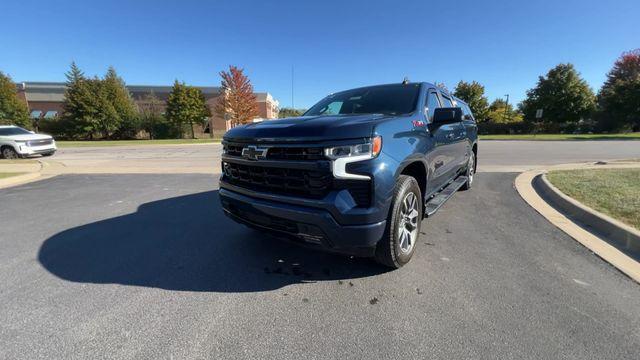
x: 466, y: 111
x: 432, y: 104
x: 446, y: 102
x: 332, y: 108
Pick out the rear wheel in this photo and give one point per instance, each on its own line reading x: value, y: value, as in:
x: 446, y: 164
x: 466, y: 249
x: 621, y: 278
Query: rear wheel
x: 9, y: 153
x: 398, y: 243
x: 471, y: 171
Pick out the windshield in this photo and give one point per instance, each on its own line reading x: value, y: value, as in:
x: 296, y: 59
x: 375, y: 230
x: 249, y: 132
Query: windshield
x: 13, y: 131
x: 386, y: 99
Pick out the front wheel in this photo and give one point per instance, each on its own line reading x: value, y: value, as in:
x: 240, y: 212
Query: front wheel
x: 9, y: 153
x: 398, y: 243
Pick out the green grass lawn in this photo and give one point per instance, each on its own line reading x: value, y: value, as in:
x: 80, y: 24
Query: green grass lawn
x: 615, y: 192
x: 64, y: 144
x: 6, y: 175
x: 627, y: 136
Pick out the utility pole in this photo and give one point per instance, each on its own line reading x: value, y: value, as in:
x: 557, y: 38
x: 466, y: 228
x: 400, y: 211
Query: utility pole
x: 506, y: 108
x: 292, y: 104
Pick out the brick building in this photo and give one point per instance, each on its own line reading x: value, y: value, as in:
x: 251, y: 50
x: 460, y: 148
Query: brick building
x: 45, y: 101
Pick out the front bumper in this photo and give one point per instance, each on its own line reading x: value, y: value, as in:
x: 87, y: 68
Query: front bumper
x: 35, y: 150
x: 309, y: 226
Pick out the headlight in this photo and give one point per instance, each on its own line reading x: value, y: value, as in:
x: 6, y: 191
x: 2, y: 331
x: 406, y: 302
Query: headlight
x: 372, y: 149
x: 343, y: 155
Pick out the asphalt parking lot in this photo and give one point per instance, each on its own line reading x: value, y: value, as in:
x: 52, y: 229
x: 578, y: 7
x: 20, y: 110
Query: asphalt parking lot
x: 147, y: 266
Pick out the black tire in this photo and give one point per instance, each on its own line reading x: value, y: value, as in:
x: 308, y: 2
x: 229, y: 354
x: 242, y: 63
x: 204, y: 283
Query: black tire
x: 389, y: 251
x: 470, y: 172
x: 48, y: 154
x: 9, y: 153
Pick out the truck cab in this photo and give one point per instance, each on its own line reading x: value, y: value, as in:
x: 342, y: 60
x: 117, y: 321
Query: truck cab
x: 357, y: 173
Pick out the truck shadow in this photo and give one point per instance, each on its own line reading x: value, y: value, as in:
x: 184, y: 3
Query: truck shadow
x: 187, y: 243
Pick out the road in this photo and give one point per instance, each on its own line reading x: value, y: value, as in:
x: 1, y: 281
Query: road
x: 147, y: 266
x: 494, y: 156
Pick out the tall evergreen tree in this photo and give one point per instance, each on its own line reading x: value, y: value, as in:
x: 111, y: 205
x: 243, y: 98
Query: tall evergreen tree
x: 74, y: 74
x: 13, y: 111
x: 87, y: 110
x: 106, y: 118
x: 186, y: 106
x: 126, y: 122
x: 198, y: 109
x: 176, y: 105
x: 562, y: 94
x: 473, y: 94
x: 238, y: 102
x: 619, y: 98
x: 78, y: 112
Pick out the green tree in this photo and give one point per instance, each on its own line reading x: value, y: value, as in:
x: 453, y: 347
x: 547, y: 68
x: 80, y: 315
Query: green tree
x: 106, y: 118
x: 152, y: 119
x: 77, y: 118
x: 290, y: 112
x: 562, y: 94
x: 619, y: 98
x: 502, y: 113
x: 441, y: 85
x: 13, y: 111
x: 126, y: 123
x: 199, y: 112
x: 186, y: 105
x: 87, y: 110
x: 473, y: 94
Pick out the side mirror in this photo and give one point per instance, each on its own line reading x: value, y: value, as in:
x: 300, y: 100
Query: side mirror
x: 447, y: 116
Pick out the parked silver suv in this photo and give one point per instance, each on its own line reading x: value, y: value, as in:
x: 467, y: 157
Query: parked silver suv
x: 16, y: 142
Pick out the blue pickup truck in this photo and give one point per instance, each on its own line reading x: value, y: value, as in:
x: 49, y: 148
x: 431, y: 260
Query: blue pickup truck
x: 357, y: 173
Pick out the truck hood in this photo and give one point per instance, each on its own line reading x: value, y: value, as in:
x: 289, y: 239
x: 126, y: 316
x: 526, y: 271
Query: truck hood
x: 26, y: 137
x: 307, y: 128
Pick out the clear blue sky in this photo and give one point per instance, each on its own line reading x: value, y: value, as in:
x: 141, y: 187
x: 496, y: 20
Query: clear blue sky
x: 333, y: 45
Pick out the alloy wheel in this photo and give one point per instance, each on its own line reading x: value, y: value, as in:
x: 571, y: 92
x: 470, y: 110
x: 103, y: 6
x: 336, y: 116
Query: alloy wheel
x: 9, y: 153
x: 472, y: 167
x: 408, y: 223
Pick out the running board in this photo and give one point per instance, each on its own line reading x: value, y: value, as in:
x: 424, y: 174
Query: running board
x: 437, y: 201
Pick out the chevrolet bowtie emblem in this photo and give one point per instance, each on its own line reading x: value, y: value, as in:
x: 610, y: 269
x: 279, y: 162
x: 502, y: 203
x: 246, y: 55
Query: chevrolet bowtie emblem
x: 254, y: 153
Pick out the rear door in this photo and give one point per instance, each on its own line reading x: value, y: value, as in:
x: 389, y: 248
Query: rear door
x: 440, y: 157
x: 469, y: 129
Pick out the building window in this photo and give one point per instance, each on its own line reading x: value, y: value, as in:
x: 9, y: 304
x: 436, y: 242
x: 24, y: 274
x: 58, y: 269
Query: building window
x: 35, y: 114
x: 51, y: 114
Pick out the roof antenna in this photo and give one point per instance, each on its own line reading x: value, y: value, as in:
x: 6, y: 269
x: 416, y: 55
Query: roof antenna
x: 405, y: 81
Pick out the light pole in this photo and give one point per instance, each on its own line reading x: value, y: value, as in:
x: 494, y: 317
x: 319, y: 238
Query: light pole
x: 506, y: 108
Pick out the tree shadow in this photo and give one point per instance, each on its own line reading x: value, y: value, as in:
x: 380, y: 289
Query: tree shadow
x: 187, y: 243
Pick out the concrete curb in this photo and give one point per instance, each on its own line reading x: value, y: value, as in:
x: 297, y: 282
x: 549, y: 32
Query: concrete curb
x: 20, y: 179
x: 595, y: 241
x: 34, y: 172
x: 624, y: 236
